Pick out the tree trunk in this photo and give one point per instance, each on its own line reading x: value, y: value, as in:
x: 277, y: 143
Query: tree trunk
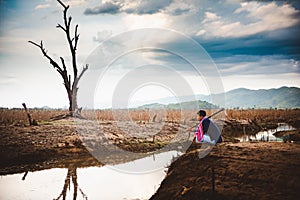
x: 70, y: 97
x: 74, y: 100
x: 73, y: 106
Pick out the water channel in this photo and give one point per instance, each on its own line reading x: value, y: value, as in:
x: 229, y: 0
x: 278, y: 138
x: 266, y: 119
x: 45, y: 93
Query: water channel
x: 138, y: 179
x: 267, y: 135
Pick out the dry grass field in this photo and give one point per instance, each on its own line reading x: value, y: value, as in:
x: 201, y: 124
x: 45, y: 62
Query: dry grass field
x: 262, y: 116
x: 265, y: 115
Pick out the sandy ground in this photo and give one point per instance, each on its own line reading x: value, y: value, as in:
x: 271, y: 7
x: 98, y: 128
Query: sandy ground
x: 239, y: 170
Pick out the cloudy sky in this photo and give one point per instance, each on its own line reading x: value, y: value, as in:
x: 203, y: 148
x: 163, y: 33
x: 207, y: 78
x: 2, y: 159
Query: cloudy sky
x: 253, y: 44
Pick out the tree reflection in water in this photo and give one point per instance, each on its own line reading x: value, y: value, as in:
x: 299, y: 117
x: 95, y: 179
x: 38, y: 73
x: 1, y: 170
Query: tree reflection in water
x: 71, y: 175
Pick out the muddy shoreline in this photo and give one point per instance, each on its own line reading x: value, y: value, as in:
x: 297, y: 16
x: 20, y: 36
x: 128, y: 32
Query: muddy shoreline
x: 29, y: 148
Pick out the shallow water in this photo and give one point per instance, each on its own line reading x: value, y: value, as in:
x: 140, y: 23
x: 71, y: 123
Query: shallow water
x: 138, y: 179
x: 267, y: 135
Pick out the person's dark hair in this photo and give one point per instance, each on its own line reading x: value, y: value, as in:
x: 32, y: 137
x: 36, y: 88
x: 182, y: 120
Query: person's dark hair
x: 201, y: 113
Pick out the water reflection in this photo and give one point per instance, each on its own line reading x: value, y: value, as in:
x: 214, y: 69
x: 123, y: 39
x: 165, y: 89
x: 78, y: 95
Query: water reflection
x: 105, y: 182
x: 267, y: 135
x: 71, y: 176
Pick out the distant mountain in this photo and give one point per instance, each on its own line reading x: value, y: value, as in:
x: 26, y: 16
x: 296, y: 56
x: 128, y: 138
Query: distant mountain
x: 154, y: 106
x: 190, y: 105
x: 187, y: 105
x: 284, y: 97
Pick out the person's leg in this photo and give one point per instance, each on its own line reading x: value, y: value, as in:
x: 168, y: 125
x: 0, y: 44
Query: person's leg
x: 207, y: 139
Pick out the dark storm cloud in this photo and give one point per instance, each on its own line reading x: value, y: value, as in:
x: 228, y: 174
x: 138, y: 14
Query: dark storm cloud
x: 284, y: 42
x: 136, y: 7
x: 106, y: 8
x: 295, y: 3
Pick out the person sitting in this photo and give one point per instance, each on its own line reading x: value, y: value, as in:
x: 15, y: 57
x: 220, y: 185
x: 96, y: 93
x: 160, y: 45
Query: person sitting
x: 207, y: 131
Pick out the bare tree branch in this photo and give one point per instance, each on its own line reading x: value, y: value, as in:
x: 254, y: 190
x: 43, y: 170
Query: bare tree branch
x: 40, y: 46
x: 69, y: 21
x: 63, y: 5
x: 63, y: 63
x: 76, y: 37
x: 83, y: 70
x: 52, y: 62
x: 60, y: 26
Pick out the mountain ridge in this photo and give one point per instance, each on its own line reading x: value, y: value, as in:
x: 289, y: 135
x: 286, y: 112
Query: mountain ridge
x: 283, y: 97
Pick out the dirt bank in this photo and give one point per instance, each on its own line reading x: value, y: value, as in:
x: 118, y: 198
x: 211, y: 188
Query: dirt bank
x: 24, y: 148
x: 241, y: 171
x: 288, y: 136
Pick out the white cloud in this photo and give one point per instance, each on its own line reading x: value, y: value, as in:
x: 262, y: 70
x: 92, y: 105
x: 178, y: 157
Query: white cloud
x: 201, y: 32
x: 261, y: 17
x: 42, y: 6
x: 209, y: 16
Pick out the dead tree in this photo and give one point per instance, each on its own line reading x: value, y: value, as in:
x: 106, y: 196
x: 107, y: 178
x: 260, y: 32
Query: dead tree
x: 32, y: 122
x: 71, y: 85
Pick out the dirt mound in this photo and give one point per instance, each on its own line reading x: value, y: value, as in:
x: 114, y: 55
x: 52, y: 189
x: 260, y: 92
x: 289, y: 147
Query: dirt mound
x: 237, y: 171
